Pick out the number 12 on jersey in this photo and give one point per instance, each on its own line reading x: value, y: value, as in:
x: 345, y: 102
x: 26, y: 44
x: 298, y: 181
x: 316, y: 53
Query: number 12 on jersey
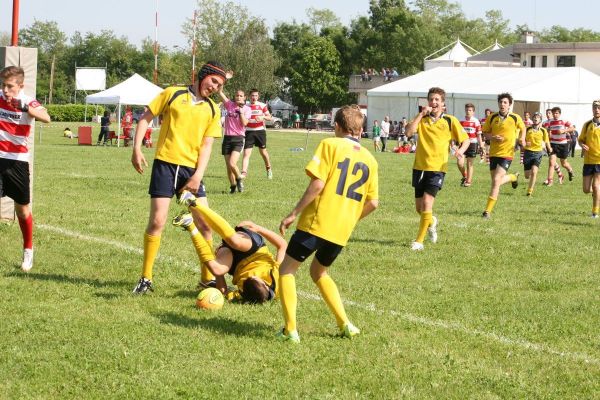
x: 359, y: 170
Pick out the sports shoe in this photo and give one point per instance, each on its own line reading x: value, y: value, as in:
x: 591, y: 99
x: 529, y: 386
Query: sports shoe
x: 529, y: 194
x: 571, y: 175
x: 547, y: 182
x: 270, y: 173
x: 291, y: 337
x: 232, y: 189
x: 416, y: 246
x: 205, y: 285
x: 349, y: 331
x: 186, y: 198
x: 183, y: 220
x: 467, y: 184
x: 486, y: 215
x: 143, y: 286
x: 27, y: 263
x: 462, y: 181
x: 515, y: 184
x: 432, y: 230
x: 239, y: 183
x: 594, y: 215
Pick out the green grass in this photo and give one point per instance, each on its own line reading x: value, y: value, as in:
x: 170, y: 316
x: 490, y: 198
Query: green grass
x: 505, y: 308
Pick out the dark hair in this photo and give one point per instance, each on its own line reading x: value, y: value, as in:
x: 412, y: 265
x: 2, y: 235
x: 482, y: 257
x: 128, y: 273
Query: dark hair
x: 555, y: 109
x: 253, y: 90
x: 211, y: 68
x: 437, y: 90
x: 505, y: 96
x: 469, y: 105
x: 255, y: 291
x: 349, y: 119
x: 11, y: 72
x: 107, y: 113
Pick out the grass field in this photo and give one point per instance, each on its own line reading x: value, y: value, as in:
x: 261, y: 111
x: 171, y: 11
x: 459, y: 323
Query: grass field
x: 500, y: 308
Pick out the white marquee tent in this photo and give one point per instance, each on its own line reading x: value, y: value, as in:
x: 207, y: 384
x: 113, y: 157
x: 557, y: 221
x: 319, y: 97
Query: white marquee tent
x: 132, y: 91
x: 455, y: 57
x: 534, y: 89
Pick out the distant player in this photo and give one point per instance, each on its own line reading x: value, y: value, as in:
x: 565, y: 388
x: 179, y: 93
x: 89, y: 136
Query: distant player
x: 343, y: 188
x: 589, y: 140
x: 17, y: 114
x: 472, y: 127
x: 243, y: 253
x: 256, y: 134
x: 559, y: 131
x: 485, y: 151
x: 536, y: 139
x: 502, y: 129
x: 436, y: 132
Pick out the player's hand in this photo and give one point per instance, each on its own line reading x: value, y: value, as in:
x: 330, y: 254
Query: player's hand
x: 259, y: 118
x: 425, y: 111
x: 193, y: 184
x: 584, y: 146
x: 250, y: 225
x: 498, y: 138
x: 286, y: 222
x: 458, y: 155
x: 138, y: 161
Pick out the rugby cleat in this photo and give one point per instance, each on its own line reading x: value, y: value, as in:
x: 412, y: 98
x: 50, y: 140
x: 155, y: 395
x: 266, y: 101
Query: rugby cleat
x: 27, y: 263
x: 270, y: 173
x: 144, y: 285
x: 486, y: 215
x: 349, y: 331
x: 432, y: 230
x: 515, y: 184
x: 462, y: 181
x: 571, y: 175
x: 239, y: 183
x: 183, y: 220
x: 594, y: 216
x: 186, y: 198
x: 291, y: 337
x: 416, y: 246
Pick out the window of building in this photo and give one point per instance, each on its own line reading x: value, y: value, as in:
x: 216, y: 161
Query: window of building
x: 544, y: 61
x: 532, y: 62
x: 565, y: 61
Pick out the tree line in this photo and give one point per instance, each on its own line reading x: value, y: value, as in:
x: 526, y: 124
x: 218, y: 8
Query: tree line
x: 306, y: 63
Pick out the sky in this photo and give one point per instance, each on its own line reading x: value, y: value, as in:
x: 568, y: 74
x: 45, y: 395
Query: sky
x: 134, y: 19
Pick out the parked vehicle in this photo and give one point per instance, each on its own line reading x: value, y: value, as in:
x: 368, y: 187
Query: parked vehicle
x: 275, y: 123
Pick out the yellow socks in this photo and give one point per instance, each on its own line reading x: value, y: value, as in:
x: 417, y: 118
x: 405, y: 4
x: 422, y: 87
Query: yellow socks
x: 203, y: 249
x: 215, y: 221
x: 205, y: 274
x: 151, y: 246
x: 289, y: 300
x: 512, y: 177
x: 426, y: 220
x: 595, y: 210
x: 491, y: 202
x: 331, y: 295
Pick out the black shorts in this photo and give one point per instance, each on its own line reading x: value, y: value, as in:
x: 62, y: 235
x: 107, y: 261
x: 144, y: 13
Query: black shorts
x: 231, y: 144
x: 14, y: 180
x: 560, y: 150
x: 256, y: 138
x: 502, y: 162
x: 472, y: 150
x: 303, y: 244
x: 430, y: 182
x: 531, y: 158
x: 168, y: 179
x: 591, y: 169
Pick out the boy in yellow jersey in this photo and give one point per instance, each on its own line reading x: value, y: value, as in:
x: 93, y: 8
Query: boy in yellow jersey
x: 343, y: 188
x: 536, y: 137
x: 190, y: 122
x: 501, y: 128
x: 243, y: 253
x: 436, y: 132
x: 589, y: 140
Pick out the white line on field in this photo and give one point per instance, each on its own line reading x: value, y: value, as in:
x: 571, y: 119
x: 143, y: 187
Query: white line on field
x: 452, y: 326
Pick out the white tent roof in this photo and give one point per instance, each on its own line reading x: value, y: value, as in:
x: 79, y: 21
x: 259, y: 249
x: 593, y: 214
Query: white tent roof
x: 574, y: 85
x: 134, y: 90
x: 457, y: 53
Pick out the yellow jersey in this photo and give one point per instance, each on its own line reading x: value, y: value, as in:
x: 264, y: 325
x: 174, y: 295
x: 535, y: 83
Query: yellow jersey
x: 590, y: 136
x: 186, y: 120
x: 535, y: 138
x: 350, y: 173
x: 261, y: 264
x: 435, y: 137
x: 508, y: 127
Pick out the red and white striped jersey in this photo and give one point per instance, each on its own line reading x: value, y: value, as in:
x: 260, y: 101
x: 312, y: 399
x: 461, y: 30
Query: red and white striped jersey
x: 258, y: 109
x: 472, y: 127
x: 15, y: 126
x: 554, y: 127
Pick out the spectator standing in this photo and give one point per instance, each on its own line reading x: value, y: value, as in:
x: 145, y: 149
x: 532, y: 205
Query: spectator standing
x: 385, y: 132
x: 376, y: 136
x: 104, y: 128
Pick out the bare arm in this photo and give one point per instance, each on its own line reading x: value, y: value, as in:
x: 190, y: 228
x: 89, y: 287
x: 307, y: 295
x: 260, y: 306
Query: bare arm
x: 461, y: 150
x: 223, y: 96
x: 411, y: 127
x: 312, y: 191
x: 369, y: 207
x: 243, y: 117
x: 40, y: 114
x: 137, y: 158
x: 271, y: 236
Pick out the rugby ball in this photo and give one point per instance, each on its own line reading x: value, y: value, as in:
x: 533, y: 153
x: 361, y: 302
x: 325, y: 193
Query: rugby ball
x: 210, y: 299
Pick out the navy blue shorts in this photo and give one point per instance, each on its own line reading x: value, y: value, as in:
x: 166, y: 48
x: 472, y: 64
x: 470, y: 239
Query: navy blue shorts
x: 504, y: 163
x: 472, y: 150
x: 14, y: 180
x: 560, y: 150
x: 591, y: 169
x: 531, y: 158
x: 303, y: 244
x: 430, y: 182
x: 168, y: 179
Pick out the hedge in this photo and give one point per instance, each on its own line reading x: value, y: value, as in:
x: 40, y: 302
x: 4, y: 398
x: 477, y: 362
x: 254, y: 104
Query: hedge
x: 71, y: 112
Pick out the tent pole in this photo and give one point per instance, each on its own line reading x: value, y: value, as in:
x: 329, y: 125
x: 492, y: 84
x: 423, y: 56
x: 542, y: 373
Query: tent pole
x: 118, y: 123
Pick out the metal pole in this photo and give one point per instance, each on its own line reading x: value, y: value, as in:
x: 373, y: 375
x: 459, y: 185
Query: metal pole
x: 194, y: 50
x: 15, y: 24
x: 155, y: 75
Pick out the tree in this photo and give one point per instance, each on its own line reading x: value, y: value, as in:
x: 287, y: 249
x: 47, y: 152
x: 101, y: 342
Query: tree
x: 322, y: 19
x: 558, y: 34
x: 228, y: 33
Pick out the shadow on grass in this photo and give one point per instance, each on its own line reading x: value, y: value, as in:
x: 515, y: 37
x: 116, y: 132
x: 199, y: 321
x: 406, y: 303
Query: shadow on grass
x: 208, y: 320
x: 373, y: 241
x: 68, y: 279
